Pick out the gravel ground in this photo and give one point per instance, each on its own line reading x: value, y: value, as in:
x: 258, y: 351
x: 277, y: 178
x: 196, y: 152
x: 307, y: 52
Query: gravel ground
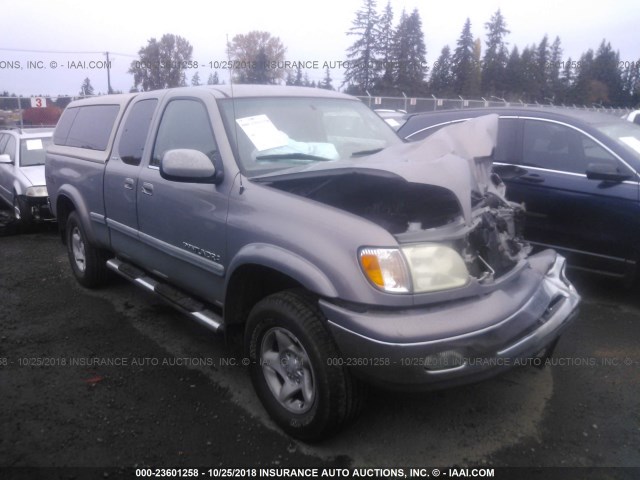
x: 175, y: 399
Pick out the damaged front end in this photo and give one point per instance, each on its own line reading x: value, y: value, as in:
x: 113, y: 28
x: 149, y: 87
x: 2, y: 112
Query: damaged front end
x: 437, y: 192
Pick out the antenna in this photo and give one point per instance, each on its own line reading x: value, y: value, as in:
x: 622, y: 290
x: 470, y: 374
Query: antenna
x: 233, y: 108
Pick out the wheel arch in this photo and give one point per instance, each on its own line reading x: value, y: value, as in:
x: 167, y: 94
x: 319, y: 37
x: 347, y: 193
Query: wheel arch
x: 261, y: 270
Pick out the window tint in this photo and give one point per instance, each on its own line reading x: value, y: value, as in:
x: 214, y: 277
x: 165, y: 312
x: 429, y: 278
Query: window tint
x: 136, y: 129
x: 64, y: 125
x: 86, y: 127
x: 184, y: 124
x: 507, y: 140
x: 557, y: 147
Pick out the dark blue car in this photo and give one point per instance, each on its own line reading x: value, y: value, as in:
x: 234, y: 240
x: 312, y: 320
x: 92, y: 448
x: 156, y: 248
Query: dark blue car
x: 577, y: 173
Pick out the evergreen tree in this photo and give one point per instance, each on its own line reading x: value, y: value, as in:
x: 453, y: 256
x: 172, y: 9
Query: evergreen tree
x: 530, y: 75
x: 441, y: 78
x: 326, y: 81
x: 195, y: 80
x: 513, y: 75
x: 631, y: 82
x: 581, y: 91
x: 496, y: 56
x: 553, y: 69
x: 606, y: 71
x: 298, y: 81
x: 566, y: 82
x: 86, y: 89
x: 363, y: 69
x: 213, y: 79
x: 542, y: 84
x: 464, y: 67
x: 410, y: 55
x: 384, y: 48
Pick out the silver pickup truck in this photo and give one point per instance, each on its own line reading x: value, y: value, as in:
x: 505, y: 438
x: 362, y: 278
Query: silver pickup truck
x: 297, y: 217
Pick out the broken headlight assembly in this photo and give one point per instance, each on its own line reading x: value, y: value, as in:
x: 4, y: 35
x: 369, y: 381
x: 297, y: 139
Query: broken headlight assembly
x: 420, y: 268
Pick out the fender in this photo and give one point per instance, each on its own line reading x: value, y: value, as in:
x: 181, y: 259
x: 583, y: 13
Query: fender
x: 94, y: 224
x: 286, y: 262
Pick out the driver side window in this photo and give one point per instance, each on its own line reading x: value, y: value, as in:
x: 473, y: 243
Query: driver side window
x: 185, y: 124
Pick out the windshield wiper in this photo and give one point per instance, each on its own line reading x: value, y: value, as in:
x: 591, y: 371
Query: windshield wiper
x: 293, y: 156
x: 362, y: 153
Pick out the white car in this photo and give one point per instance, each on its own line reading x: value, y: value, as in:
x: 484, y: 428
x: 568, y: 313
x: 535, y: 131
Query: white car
x: 22, y: 182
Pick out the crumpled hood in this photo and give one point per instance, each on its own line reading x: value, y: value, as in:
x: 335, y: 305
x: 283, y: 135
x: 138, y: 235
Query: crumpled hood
x: 34, y: 174
x: 457, y: 157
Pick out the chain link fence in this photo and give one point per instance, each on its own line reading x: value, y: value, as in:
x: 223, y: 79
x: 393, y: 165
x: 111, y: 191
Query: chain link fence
x: 419, y: 105
x: 40, y: 110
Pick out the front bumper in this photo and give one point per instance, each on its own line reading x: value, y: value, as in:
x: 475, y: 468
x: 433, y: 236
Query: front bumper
x: 38, y: 207
x: 461, y: 341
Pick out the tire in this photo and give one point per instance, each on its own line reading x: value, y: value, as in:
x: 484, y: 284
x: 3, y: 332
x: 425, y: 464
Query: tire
x: 88, y: 263
x: 306, y: 396
x: 21, y: 212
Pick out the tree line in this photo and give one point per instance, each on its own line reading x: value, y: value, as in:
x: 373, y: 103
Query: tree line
x: 388, y: 58
x: 391, y: 60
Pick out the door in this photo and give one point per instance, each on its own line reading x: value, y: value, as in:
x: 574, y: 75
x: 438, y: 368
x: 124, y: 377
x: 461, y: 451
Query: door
x: 121, y: 177
x: 184, y: 224
x: 591, y: 221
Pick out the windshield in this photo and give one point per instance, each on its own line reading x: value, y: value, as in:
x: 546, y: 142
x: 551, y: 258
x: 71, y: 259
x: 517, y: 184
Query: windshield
x: 32, y: 151
x: 277, y: 133
x: 626, y: 134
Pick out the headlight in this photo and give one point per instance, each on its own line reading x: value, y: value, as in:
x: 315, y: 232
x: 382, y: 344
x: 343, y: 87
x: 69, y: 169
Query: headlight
x: 36, y: 192
x: 415, y: 269
x: 435, y: 267
x: 386, y: 268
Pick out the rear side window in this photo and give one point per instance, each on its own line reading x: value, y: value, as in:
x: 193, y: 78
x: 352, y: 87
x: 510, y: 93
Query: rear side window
x: 135, y: 131
x: 89, y: 128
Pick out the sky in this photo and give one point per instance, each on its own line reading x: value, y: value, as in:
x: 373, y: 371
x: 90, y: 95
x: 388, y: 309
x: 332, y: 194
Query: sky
x: 312, y: 31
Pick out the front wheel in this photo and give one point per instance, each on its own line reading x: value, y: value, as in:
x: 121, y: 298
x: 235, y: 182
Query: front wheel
x: 290, y: 350
x: 88, y: 262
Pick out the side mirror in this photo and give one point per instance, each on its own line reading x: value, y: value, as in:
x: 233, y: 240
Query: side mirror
x: 606, y: 172
x: 5, y: 158
x: 188, y: 166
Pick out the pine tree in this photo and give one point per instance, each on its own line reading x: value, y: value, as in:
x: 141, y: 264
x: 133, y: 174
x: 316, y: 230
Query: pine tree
x: 566, y: 81
x: 543, y: 88
x: 86, y: 89
x: 464, y: 66
x: 213, y: 79
x: 606, y: 71
x: 363, y: 69
x: 496, y: 56
x: 410, y: 55
x: 529, y: 74
x: 326, y: 81
x: 553, y: 69
x: 441, y: 83
x: 384, y: 50
x: 513, y: 75
x: 195, y: 80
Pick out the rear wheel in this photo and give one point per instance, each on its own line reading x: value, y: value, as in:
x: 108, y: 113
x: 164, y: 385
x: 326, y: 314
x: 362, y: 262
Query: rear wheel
x: 308, y: 395
x: 88, y: 263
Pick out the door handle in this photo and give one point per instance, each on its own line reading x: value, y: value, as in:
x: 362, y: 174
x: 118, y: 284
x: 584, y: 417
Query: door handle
x: 532, y: 178
x: 129, y: 183
x: 147, y: 188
